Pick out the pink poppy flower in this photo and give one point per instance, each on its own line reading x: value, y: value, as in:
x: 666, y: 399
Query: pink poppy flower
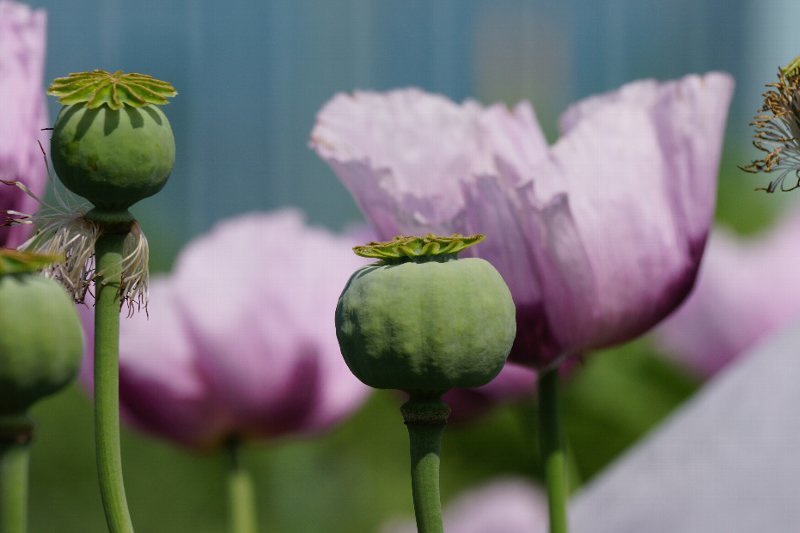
x: 240, y: 342
x: 24, y: 113
x: 598, y: 236
x: 513, y: 383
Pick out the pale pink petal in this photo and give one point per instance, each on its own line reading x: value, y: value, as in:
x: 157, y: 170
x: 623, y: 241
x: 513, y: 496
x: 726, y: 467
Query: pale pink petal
x: 259, y: 294
x: 504, y: 505
x: 240, y: 340
x: 515, y: 138
x: 513, y: 383
x: 505, y: 214
x: 162, y: 388
x: 24, y: 111
x: 405, y: 154
x: 747, y: 289
x: 629, y: 194
x: 162, y: 391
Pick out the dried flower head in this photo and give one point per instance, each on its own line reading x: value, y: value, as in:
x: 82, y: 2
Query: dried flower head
x: 66, y: 231
x: 778, y: 129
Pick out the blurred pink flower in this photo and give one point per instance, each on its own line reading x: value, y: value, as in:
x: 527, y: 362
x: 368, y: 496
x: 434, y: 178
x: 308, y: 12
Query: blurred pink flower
x: 506, y: 505
x: 599, y: 236
x: 513, y: 383
x: 747, y: 290
x: 24, y: 112
x: 240, y: 341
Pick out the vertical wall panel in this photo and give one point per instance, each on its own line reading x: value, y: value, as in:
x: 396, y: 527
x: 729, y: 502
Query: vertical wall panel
x: 253, y: 73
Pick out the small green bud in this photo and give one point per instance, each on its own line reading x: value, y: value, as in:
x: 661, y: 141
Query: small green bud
x: 424, y: 321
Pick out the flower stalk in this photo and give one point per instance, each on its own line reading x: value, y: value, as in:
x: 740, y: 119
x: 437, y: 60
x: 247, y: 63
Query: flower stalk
x: 32, y: 366
x: 241, y: 493
x: 113, y: 146
x: 15, y: 437
x: 553, y: 451
x: 109, y: 256
x: 425, y: 419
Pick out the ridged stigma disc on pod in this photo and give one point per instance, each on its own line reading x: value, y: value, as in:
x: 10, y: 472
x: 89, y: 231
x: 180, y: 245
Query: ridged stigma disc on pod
x: 423, y: 321
x: 41, y: 340
x: 111, y: 142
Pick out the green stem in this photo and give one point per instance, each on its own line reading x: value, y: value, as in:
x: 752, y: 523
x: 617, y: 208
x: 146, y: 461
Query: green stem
x: 425, y: 419
x: 241, y: 494
x: 15, y: 436
x: 109, y: 255
x: 553, y: 450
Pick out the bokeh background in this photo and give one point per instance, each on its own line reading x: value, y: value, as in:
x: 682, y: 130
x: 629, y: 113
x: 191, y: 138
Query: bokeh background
x: 251, y: 76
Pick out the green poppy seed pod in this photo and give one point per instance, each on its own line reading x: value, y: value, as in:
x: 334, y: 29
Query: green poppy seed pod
x: 111, y: 142
x: 41, y: 339
x: 422, y: 320
x: 113, y: 158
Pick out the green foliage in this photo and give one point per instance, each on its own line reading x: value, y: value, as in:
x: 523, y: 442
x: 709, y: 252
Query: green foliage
x: 351, y: 479
x: 739, y: 205
x: 616, y: 398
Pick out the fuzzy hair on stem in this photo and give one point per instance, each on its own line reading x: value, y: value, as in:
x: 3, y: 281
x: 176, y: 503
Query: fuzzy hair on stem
x: 64, y: 230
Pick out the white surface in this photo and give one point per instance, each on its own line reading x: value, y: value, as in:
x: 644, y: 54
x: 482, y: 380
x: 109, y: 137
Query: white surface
x: 728, y: 461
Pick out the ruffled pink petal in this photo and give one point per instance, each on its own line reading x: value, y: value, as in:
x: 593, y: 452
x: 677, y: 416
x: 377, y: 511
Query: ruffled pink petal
x: 405, y: 154
x: 629, y: 196
x: 24, y: 111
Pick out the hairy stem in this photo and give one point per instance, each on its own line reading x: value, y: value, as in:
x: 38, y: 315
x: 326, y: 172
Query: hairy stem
x: 425, y: 419
x: 109, y: 250
x: 15, y: 436
x: 241, y: 494
x: 553, y: 450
